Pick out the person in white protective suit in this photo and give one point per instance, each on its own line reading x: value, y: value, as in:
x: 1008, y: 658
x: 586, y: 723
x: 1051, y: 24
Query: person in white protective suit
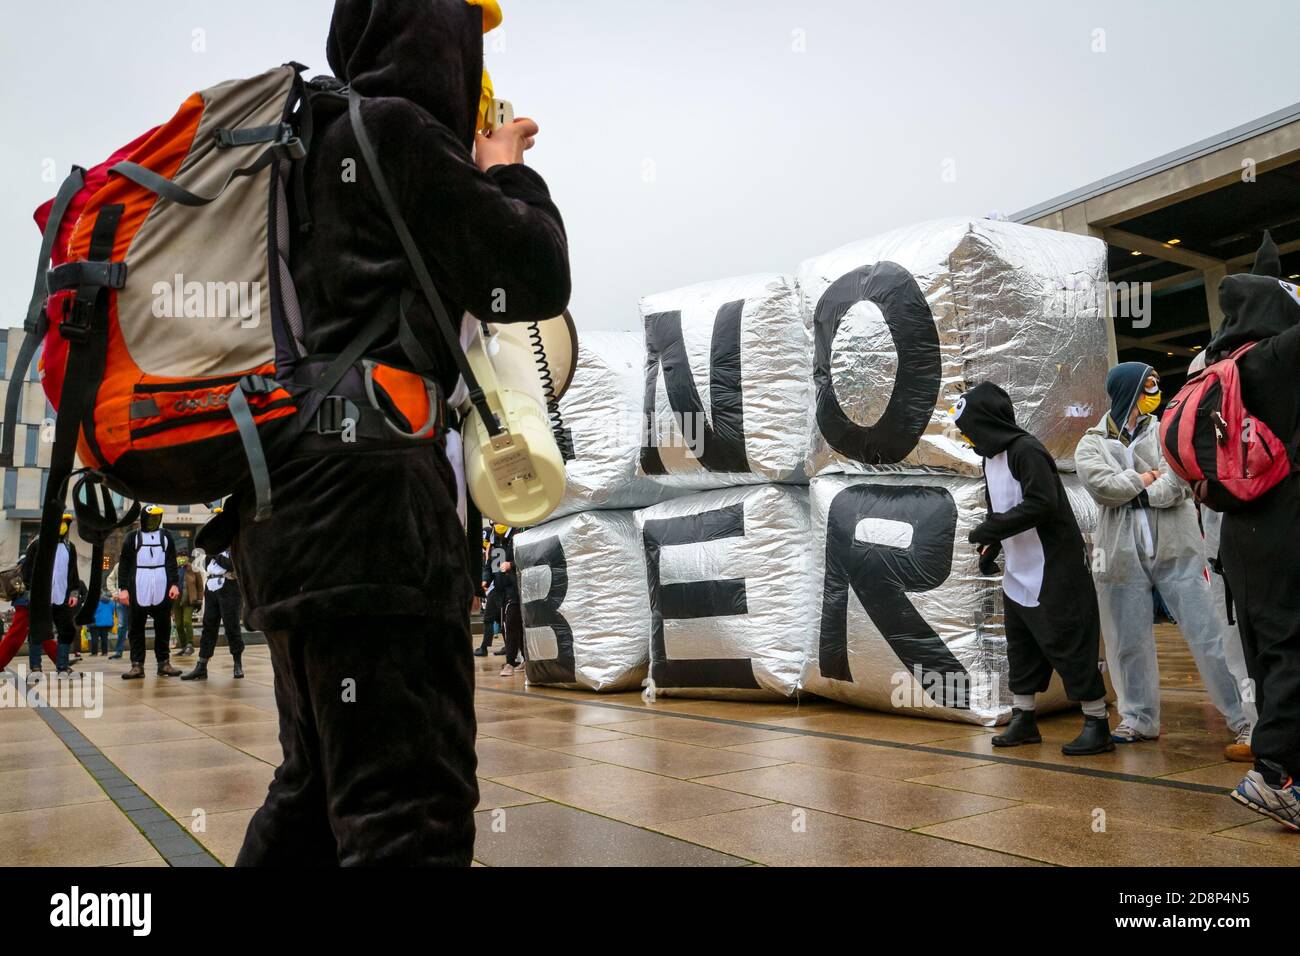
x: 1233, y: 651
x: 1149, y: 537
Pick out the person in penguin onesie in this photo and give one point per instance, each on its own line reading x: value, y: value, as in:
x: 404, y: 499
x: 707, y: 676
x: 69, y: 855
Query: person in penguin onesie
x: 360, y: 577
x: 498, y: 550
x: 221, y: 607
x: 66, y: 592
x: 1049, y: 604
x: 1149, y: 537
x: 1259, y: 548
x: 148, y: 577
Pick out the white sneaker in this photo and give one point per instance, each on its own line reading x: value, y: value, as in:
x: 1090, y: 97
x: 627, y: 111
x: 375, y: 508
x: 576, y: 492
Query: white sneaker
x: 1282, y: 804
x: 1125, y: 733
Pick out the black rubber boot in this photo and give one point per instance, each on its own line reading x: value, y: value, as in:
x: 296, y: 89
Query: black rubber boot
x: 1093, y: 739
x: 239, y: 668
x: 1023, y: 729
x: 200, y: 671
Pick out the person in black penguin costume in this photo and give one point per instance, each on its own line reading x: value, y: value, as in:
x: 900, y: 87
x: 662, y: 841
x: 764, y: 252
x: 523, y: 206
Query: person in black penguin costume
x: 360, y: 578
x: 1052, y: 621
x: 149, y: 581
x: 66, y: 592
x: 221, y: 607
x: 498, y: 585
x: 1259, y: 547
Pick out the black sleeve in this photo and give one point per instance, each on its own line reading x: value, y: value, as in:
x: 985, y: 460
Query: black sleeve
x: 1035, y: 471
x: 222, y: 561
x: 1284, y: 349
x: 173, y: 570
x: 494, y: 242
x: 29, y: 562
x: 75, y: 584
x: 989, y: 557
x: 126, y: 564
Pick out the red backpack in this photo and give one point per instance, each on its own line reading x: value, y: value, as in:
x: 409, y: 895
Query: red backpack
x: 1212, y: 442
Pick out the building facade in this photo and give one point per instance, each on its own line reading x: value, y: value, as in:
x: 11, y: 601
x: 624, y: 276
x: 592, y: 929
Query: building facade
x: 22, y: 487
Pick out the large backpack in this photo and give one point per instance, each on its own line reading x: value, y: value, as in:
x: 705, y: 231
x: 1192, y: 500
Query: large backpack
x: 171, y: 339
x: 1212, y: 442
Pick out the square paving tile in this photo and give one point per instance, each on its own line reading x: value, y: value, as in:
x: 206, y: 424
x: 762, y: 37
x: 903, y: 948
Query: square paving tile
x: 544, y: 732
x: 870, y: 759
x: 498, y: 758
x: 782, y: 835
x: 701, y: 733
x: 87, y: 834
x: 877, y: 799
x: 1068, y: 838
x: 629, y: 795
x: 670, y: 758
x: 1144, y: 803
x: 493, y: 795
x: 50, y: 786
x: 547, y: 834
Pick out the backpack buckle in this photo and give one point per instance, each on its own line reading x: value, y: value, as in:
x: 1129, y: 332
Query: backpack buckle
x: 257, y: 385
x: 78, y: 315
x: 336, y: 412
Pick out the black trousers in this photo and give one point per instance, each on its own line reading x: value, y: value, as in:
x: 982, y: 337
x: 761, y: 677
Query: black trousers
x: 221, y: 608
x: 161, y: 615
x: 65, y: 623
x: 513, y: 625
x: 1260, y: 553
x: 377, y: 726
x: 1036, y: 646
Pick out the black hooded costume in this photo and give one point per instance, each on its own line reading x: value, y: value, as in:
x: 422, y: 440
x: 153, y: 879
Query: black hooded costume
x: 360, y: 576
x: 1052, y: 622
x: 1260, y: 545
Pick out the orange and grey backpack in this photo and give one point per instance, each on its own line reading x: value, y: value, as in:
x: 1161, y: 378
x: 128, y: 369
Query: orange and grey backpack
x: 170, y: 334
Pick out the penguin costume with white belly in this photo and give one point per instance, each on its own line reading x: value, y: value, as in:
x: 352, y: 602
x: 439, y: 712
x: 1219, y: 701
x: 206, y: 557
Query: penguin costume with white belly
x: 147, y: 576
x: 1052, y: 623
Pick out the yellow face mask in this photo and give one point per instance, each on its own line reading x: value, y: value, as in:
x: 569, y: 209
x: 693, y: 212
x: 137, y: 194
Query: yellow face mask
x: 1149, y: 400
x: 500, y: 528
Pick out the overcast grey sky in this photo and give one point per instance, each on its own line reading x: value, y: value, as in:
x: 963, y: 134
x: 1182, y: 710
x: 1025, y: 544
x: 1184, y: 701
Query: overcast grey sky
x: 687, y: 140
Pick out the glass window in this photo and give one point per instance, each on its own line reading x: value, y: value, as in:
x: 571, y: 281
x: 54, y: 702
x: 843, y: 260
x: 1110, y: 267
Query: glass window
x: 11, y: 488
x: 27, y: 530
x: 4, y: 354
x: 33, y: 445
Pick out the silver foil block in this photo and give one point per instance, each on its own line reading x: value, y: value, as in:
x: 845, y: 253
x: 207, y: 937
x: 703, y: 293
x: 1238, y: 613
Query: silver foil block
x: 586, y: 607
x: 729, y: 575
x: 904, y: 323
x: 602, y: 413
x: 727, y: 384
x: 904, y: 621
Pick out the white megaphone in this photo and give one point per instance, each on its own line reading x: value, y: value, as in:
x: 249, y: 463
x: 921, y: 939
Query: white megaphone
x: 514, y: 468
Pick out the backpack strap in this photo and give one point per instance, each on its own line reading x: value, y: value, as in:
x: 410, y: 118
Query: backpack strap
x: 445, y: 326
x: 85, y: 328
x: 167, y: 189
x: 36, y: 322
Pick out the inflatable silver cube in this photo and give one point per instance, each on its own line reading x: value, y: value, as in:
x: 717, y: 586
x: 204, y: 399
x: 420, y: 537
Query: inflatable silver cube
x: 730, y: 584
x: 903, y: 323
x: 904, y: 620
x: 586, y: 607
x: 726, y: 386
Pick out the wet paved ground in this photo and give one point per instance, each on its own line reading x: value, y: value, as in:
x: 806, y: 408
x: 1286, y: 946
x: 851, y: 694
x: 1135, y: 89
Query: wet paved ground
x: 582, y: 779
